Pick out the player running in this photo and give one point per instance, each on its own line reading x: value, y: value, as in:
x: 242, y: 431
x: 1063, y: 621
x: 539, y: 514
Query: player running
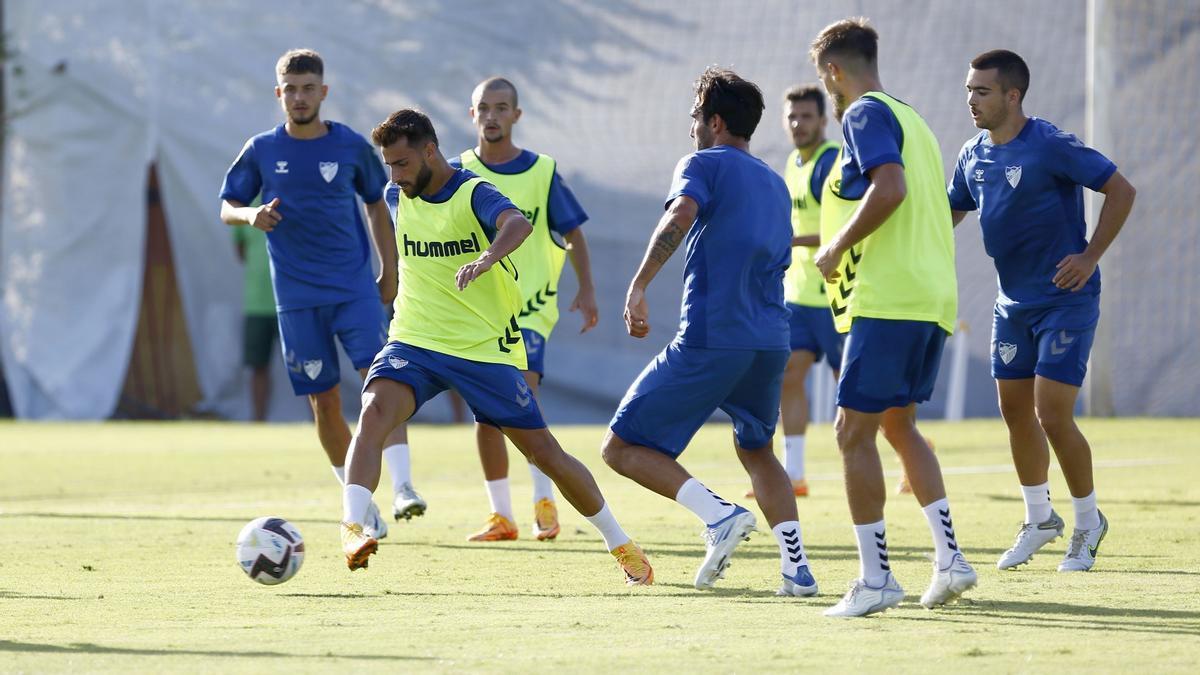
x: 532, y: 182
x: 1025, y: 177
x: 813, y: 336
x: 732, y: 345
x: 888, y: 259
x: 309, y: 172
x: 455, y: 326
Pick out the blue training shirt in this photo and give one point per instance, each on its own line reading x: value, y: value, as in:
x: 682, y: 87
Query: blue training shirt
x: 736, y: 251
x: 486, y: 201
x: 816, y: 183
x: 564, y: 211
x: 871, y: 137
x: 320, y: 252
x: 1030, y: 200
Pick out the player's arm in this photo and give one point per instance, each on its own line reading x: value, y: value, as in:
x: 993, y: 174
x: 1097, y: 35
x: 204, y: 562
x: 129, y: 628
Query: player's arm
x: 956, y: 217
x: 1075, y: 270
x: 581, y: 262
x: 670, y: 233
x: 812, y: 240
x: 384, y: 235
x: 888, y: 189
x: 264, y: 217
x: 511, y: 229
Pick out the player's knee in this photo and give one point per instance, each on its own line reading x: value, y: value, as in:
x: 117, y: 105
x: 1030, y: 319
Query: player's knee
x: 612, y: 450
x: 1054, y: 421
x: 375, y: 415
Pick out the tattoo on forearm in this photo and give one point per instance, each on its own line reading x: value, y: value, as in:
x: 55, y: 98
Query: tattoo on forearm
x: 665, y: 242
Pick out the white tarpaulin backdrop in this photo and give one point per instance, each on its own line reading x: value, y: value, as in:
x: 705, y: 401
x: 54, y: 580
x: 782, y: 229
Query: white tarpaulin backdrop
x: 96, y: 90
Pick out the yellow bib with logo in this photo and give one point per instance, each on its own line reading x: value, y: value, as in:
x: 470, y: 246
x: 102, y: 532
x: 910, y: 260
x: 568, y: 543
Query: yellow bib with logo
x: 478, y: 323
x: 905, y: 269
x: 540, y: 258
x: 802, y: 284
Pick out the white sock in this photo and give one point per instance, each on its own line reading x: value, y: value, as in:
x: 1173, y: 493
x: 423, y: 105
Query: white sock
x: 873, y: 565
x: 356, y: 500
x: 339, y: 472
x: 791, y: 548
x: 1087, y: 516
x: 793, y: 456
x: 399, y: 464
x: 500, y: 497
x: 604, y: 521
x: 942, y: 526
x: 703, y: 502
x: 1037, y: 502
x: 543, y: 487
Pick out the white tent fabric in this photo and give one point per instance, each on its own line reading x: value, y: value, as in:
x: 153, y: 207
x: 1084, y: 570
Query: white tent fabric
x: 96, y: 90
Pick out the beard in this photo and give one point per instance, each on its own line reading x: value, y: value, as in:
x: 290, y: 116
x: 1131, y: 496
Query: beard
x: 296, y: 119
x: 704, y: 139
x: 422, y: 181
x: 493, y: 136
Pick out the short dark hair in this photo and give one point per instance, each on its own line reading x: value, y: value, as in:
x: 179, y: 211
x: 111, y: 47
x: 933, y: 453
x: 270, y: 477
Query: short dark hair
x: 300, y: 61
x: 852, y: 37
x: 500, y: 83
x: 720, y: 91
x: 1011, y: 69
x: 807, y: 92
x: 411, y: 125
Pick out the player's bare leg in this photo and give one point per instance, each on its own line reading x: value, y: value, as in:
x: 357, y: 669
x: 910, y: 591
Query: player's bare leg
x: 861, y: 468
x: 406, y: 503
x: 899, y: 426
x: 385, y: 404
x: 260, y: 391
x: 793, y: 413
x: 579, y: 488
x: 775, y: 496
x: 1031, y: 458
x: 332, y: 429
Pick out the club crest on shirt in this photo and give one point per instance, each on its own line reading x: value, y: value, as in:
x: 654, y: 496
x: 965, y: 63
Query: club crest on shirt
x: 1013, y: 174
x: 328, y: 170
x: 1007, y: 352
x: 312, y: 368
x: 397, y: 362
x: 978, y: 175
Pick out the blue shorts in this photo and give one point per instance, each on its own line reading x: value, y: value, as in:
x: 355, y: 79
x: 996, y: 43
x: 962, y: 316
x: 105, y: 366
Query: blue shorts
x: 889, y: 364
x: 813, y: 331
x: 535, y: 352
x: 1053, y: 342
x: 682, y: 387
x: 306, y: 337
x: 497, y: 394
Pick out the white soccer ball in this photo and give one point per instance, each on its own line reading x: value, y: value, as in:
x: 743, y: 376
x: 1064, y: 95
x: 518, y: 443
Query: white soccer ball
x: 270, y: 550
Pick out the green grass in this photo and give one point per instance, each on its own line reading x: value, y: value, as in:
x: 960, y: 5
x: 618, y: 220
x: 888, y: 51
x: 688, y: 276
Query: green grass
x: 117, y: 555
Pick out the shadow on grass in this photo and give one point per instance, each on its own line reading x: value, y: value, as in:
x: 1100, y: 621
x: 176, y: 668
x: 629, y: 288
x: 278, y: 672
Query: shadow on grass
x: 1034, y: 614
x: 156, y: 517
x: 90, y: 648
x: 14, y: 595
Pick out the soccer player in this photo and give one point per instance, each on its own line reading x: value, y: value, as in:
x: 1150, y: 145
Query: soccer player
x: 309, y: 172
x: 532, y: 182
x: 887, y: 256
x: 258, y: 308
x: 813, y: 336
x: 1025, y: 177
x: 455, y: 326
x: 731, y: 209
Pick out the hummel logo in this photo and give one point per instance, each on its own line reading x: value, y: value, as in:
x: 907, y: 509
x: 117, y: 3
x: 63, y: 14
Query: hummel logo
x: 1061, y: 343
x: 281, y: 167
x: 978, y: 175
x: 859, y: 119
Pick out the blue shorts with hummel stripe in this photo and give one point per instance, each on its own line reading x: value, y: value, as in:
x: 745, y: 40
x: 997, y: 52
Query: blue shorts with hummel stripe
x: 1053, y: 342
x: 497, y: 393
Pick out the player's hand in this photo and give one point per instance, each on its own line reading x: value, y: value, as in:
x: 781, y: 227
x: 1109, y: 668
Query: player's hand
x: 388, y: 286
x: 637, y: 314
x: 1074, y: 271
x: 826, y: 260
x: 471, y: 271
x: 266, y: 217
x: 585, y: 303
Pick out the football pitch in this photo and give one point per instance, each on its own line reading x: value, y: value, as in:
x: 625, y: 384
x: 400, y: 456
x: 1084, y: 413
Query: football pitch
x: 118, y: 556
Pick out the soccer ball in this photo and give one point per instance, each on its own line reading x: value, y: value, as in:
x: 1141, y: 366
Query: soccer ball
x: 270, y: 550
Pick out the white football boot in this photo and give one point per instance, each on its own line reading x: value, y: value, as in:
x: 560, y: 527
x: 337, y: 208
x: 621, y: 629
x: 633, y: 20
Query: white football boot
x: 408, y: 503
x: 1085, y: 544
x: 375, y: 527
x: 948, y: 584
x: 719, y: 541
x: 1031, y: 538
x: 862, y: 599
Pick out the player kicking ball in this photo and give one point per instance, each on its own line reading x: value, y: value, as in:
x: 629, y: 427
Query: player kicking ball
x: 455, y: 328
x: 1026, y: 178
x: 733, y: 211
